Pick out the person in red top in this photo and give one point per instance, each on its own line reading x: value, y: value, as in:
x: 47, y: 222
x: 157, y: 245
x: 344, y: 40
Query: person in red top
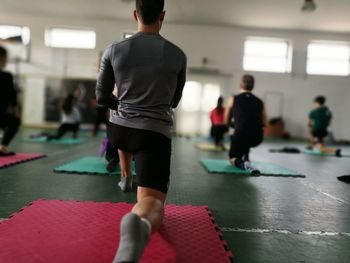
x: 218, y: 124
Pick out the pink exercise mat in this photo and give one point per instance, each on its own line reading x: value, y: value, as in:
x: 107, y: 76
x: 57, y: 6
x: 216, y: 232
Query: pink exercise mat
x: 19, y: 158
x: 71, y: 231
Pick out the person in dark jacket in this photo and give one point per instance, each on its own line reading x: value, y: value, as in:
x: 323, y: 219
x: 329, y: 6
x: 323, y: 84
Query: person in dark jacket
x: 246, y: 113
x: 9, y: 110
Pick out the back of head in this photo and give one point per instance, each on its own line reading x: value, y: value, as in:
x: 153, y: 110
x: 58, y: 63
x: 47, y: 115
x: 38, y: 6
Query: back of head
x: 321, y: 100
x: 149, y: 10
x: 220, y: 105
x: 3, y: 57
x: 247, y: 82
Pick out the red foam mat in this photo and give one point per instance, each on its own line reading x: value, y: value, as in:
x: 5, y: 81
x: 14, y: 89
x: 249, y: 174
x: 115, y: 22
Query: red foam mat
x: 19, y: 158
x: 71, y: 231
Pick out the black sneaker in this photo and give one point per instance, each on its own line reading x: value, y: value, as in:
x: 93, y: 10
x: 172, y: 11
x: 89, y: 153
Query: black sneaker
x: 5, y: 154
x: 345, y: 179
x: 112, y: 165
x: 248, y: 167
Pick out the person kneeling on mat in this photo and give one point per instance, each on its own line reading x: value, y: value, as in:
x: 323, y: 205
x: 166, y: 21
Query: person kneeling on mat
x: 247, y: 114
x: 70, y: 119
x: 150, y: 74
x: 9, y: 110
x: 218, y: 124
x: 111, y: 155
x: 319, y: 120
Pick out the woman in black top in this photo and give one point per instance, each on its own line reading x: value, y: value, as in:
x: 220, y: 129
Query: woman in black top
x: 247, y: 114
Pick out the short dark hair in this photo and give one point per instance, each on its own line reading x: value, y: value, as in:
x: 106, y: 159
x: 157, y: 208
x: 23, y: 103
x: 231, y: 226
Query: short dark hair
x: 149, y: 10
x: 320, y: 100
x: 3, y: 52
x: 248, y: 82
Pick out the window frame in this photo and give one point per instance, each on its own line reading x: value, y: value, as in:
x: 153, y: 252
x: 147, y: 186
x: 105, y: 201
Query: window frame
x: 329, y: 43
x: 288, y: 57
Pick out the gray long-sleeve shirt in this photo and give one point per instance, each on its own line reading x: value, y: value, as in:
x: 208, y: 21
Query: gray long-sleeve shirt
x: 150, y: 73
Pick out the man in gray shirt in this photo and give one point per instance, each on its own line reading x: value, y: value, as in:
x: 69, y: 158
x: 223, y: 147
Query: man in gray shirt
x: 149, y: 73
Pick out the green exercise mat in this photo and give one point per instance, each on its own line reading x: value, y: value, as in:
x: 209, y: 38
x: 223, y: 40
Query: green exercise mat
x: 59, y: 141
x: 317, y: 152
x: 266, y: 169
x: 88, y: 165
x: 204, y: 146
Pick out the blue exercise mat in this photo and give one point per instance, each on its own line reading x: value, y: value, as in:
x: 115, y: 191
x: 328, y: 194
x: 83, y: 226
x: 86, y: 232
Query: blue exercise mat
x: 89, y: 165
x: 266, y: 169
x: 64, y: 141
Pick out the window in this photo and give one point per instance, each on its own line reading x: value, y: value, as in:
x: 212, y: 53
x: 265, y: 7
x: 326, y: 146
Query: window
x: 191, y: 96
x: 70, y: 38
x: 15, y: 34
x: 328, y: 59
x: 211, y: 93
x: 267, y: 55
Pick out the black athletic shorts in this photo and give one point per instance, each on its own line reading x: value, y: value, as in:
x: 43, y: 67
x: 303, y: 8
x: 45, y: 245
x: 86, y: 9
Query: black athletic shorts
x: 240, y: 145
x: 151, y: 151
x: 319, y: 135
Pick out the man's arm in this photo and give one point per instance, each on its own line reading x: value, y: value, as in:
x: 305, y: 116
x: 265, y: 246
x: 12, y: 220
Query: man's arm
x: 13, y: 103
x: 181, y: 80
x: 228, y: 110
x: 105, y: 83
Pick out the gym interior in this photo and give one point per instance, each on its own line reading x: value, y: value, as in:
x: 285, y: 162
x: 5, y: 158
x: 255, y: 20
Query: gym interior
x: 295, y: 209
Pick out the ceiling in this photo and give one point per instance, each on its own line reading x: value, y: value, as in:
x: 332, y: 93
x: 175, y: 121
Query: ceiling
x: 280, y: 14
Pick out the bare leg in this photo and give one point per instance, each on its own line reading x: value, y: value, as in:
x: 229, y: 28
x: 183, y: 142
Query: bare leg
x: 136, y: 227
x: 126, y: 177
x: 322, y: 148
x: 4, y: 148
x: 150, y: 205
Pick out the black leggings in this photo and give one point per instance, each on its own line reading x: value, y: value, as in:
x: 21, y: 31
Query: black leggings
x: 63, y: 129
x: 10, y: 123
x: 217, y: 132
x: 111, y: 152
x: 101, y: 118
x: 240, y: 145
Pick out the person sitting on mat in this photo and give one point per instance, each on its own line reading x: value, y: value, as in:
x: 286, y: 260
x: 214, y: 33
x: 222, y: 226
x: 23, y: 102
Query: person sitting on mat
x: 249, y: 117
x: 319, y: 120
x: 218, y: 124
x: 150, y: 73
x: 9, y: 109
x: 70, y: 119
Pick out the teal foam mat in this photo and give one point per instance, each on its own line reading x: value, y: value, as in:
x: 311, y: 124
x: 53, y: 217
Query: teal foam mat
x: 88, y: 165
x: 266, y: 169
x: 316, y: 152
x: 59, y: 141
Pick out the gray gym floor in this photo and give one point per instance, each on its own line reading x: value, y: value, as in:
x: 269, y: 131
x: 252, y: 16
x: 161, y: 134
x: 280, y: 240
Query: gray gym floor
x: 264, y: 219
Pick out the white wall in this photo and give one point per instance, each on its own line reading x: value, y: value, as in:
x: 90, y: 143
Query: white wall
x: 224, y: 48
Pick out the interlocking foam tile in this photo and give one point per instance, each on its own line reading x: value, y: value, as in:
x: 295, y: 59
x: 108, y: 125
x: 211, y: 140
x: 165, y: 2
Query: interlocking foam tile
x: 63, y: 141
x: 316, y: 152
x: 74, y: 232
x: 209, y: 147
x: 88, y: 165
x: 19, y: 158
x: 266, y: 169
